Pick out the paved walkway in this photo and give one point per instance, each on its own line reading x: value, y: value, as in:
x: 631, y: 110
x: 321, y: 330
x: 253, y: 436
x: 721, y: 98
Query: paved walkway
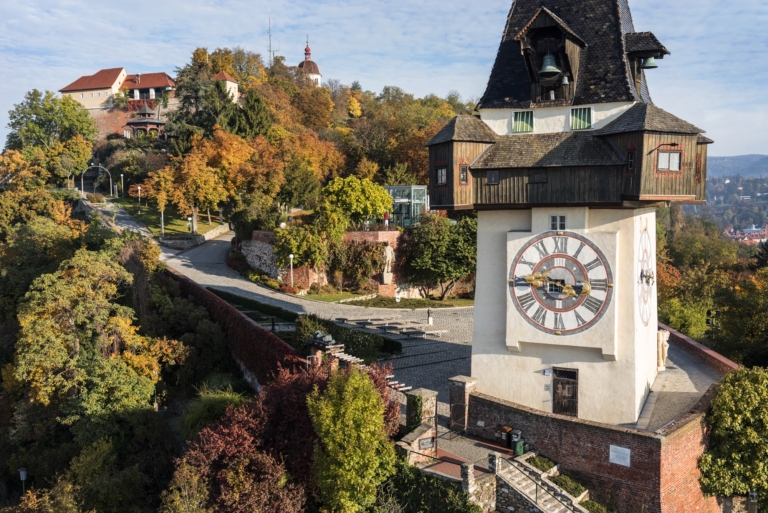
x: 424, y: 363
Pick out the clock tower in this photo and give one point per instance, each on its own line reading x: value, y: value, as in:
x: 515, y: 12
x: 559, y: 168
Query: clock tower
x: 565, y: 164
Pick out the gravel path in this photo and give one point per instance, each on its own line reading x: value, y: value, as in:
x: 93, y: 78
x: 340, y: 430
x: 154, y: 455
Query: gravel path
x: 424, y: 363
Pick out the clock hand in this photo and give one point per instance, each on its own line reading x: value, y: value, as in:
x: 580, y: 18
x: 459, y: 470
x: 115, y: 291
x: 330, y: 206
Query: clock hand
x: 535, y: 279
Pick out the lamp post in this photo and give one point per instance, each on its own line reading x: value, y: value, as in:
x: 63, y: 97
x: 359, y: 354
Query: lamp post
x: 122, y: 186
x: 189, y: 224
x: 290, y: 257
x: 23, y: 476
x: 139, y: 188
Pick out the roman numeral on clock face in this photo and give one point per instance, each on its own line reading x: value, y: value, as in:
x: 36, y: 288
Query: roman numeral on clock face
x: 526, y: 301
x: 601, y: 285
x: 523, y: 261
x: 594, y: 264
x: 559, y: 325
x: 561, y: 244
x: 593, y: 305
x: 540, y: 316
x: 542, y: 249
x: 579, y: 319
x: 578, y: 250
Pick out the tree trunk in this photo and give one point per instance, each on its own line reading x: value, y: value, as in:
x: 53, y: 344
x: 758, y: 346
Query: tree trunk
x: 209, y: 217
x: 446, y: 289
x: 162, y: 224
x: 194, y: 220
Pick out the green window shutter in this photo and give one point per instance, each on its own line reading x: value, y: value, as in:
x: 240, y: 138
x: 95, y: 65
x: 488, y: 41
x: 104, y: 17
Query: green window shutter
x: 523, y: 122
x: 581, y: 119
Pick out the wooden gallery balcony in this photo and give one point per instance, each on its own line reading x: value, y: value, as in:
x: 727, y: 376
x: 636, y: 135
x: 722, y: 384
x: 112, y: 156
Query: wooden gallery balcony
x: 644, y: 157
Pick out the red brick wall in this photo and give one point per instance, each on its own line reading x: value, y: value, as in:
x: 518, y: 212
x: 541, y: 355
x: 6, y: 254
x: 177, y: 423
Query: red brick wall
x: 680, y: 451
x: 581, y: 449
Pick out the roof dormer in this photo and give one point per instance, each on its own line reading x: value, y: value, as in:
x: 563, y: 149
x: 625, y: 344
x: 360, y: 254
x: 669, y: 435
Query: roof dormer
x: 551, y: 50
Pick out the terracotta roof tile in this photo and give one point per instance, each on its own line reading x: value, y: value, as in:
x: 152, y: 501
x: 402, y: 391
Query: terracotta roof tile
x: 102, y: 79
x: 147, y: 80
x: 548, y: 150
x: 464, y: 128
x: 222, y: 75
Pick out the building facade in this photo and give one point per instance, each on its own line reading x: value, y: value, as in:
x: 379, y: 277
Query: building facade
x: 565, y: 164
x: 97, y: 91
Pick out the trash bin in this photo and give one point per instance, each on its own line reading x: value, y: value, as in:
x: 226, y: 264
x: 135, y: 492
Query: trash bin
x: 502, y: 435
x: 516, y: 442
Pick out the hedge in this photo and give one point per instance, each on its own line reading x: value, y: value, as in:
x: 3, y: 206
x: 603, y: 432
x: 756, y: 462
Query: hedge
x: 260, y: 351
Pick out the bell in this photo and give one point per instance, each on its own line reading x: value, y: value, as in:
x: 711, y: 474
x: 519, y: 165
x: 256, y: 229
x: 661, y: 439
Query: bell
x: 564, y: 80
x: 649, y: 63
x: 549, y: 69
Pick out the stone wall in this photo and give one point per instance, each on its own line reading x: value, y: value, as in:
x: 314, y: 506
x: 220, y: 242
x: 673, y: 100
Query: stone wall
x: 508, y: 499
x: 717, y: 361
x: 662, y: 476
x: 260, y: 254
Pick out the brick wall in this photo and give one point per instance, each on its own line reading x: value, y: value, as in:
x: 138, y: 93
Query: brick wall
x: 713, y: 359
x: 581, y: 449
x: 682, y: 445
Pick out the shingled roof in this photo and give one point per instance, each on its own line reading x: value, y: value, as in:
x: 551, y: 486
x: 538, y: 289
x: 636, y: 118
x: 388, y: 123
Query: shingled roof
x: 464, y: 128
x: 644, y: 42
x: 604, y: 73
x: 102, y: 79
x: 548, y: 150
x: 645, y: 117
x: 557, y: 20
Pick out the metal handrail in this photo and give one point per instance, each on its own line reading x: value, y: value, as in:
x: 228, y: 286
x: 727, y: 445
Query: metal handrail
x: 525, y: 471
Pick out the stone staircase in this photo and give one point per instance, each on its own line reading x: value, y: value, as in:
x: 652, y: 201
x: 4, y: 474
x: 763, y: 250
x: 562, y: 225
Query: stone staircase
x: 545, y: 496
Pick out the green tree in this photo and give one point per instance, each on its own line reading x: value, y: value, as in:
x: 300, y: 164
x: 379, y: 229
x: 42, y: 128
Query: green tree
x: 398, y: 175
x: 42, y: 120
x: 187, y: 492
x: 301, y: 187
x: 439, y: 253
x: 353, y: 454
x: 359, y: 199
x: 254, y: 116
x: 737, y: 461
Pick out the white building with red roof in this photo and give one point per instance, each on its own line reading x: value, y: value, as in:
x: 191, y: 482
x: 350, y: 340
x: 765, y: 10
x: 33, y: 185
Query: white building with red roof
x: 98, y: 90
x: 231, y: 84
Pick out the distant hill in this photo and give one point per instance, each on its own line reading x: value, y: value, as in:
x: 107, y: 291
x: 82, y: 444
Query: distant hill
x: 744, y: 165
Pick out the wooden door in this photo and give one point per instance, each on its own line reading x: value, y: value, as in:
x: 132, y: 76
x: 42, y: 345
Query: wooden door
x: 566, y: 392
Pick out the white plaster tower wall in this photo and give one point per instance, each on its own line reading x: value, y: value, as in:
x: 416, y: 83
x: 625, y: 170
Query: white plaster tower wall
x: 615, y: 358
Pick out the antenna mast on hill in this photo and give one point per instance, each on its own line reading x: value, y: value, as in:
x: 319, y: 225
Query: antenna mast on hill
x: 269, y: 50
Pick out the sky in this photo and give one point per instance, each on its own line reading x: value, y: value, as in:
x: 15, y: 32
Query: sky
x: 715, y: 77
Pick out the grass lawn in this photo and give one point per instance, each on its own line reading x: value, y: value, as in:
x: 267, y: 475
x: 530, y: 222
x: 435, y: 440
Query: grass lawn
x: 389, y: 302
x: 332, y: 298
x: 175, y: 223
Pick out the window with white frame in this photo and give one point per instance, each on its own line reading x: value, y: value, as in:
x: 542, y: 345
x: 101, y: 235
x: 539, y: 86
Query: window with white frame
x: 556, y: 223
x: 581, y: 118
x: 91, y: 95
x: 492, y: 177
x: 523, y: 122
x: 99, y: 94
x: 82, y: 95
x: 669, y: 161
x: 463, y: 172
x: 442, y: 175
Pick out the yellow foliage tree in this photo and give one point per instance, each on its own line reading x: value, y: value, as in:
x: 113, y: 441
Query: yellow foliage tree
x: 322, y: 157
x: 366, y: 169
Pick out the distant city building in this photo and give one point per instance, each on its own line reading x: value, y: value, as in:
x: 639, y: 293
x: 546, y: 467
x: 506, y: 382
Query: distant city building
x: 309, y: 67
x: 751, y: 236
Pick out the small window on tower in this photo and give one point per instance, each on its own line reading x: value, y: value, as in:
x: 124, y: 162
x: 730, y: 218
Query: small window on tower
x: 631, y: 161
x: 581, y: 119
x: 492, y: 177
x: 557, y: 223
x: 669, y: 161
x: 523, y: 122
x: 442, y: 175
x: 463, y: 172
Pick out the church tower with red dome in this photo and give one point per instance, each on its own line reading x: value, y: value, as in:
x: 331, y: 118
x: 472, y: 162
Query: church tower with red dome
x: 309, y: 67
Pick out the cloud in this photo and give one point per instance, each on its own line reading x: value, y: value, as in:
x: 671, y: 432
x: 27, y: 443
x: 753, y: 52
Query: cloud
x: 714, y: 77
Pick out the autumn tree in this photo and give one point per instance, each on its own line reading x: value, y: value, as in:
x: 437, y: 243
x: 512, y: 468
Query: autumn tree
x: 736, y: 463
x: 315, y: 106
x: 359, y: 199
x: 366, y: 169
x: 79, y: 348
x: 353, y: 454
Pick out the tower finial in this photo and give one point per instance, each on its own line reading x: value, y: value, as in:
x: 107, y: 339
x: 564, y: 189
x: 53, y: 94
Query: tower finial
x: 307, y: 51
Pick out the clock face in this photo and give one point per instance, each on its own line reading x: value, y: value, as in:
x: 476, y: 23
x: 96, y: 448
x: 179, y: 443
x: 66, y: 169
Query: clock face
x: 647, y: 276
x: 561, y: 283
